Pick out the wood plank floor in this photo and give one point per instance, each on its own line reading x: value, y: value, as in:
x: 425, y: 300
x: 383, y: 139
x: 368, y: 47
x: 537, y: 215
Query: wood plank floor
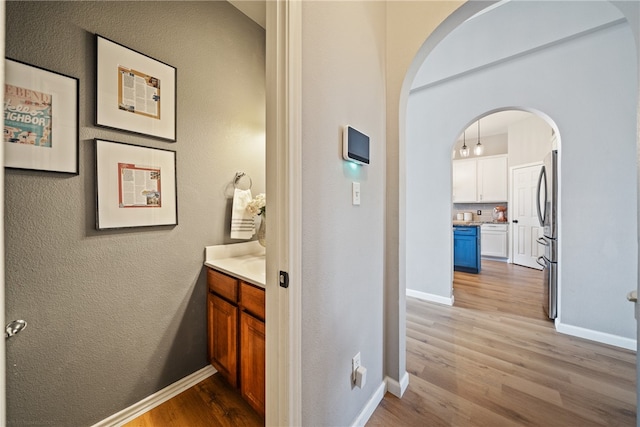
x: 494, y: 360
x: 212, y: 402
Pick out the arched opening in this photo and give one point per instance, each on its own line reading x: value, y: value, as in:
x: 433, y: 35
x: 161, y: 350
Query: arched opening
x: 426, y: 133
x: 500, y: 263
x: 561, y: 63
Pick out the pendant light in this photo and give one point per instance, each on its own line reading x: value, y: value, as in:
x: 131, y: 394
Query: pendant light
x: 479, y: 149
x: 464, y: 151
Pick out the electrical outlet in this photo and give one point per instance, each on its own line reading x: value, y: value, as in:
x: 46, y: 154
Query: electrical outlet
x: 479, y: 212
x: 355, y: 364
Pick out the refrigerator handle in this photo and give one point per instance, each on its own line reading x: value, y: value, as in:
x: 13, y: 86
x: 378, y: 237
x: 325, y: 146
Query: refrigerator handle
x: 542, y: 178
x: 542, y: 264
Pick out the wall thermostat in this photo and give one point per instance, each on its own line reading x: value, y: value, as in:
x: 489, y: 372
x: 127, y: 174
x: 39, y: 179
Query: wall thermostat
x: 355, y: 146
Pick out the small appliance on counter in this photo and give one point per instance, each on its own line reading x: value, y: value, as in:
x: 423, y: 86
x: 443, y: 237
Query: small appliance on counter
x: 500, y: 214
x: 464, y: 216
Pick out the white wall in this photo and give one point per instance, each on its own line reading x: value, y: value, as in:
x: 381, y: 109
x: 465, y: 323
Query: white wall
x: 409, y: 25
x: 523, y: 30
x: 529, y: 141
x: 493, y: 145
x: 342, y: 245
x: 588, y: 86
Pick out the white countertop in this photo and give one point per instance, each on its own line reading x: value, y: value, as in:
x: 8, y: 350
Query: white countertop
x: 246, y: 261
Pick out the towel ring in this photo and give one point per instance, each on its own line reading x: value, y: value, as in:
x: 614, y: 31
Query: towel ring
x: 238, y: 177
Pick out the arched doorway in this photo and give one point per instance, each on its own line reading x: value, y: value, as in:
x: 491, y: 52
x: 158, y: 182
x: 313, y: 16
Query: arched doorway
x: 495, y: 198
x: 589, y: 109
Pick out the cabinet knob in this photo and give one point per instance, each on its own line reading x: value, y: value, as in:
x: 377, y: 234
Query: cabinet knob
x: 515, y: 221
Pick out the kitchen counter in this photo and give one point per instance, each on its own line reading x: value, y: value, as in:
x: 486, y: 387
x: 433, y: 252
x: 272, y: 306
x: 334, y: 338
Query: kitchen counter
x: 246, y: 261
x: 455, y: 222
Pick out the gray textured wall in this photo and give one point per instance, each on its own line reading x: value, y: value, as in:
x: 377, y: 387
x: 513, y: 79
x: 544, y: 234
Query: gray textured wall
x: 117, y: 315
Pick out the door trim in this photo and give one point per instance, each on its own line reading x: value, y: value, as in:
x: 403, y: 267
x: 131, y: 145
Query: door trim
x: 284, y: 185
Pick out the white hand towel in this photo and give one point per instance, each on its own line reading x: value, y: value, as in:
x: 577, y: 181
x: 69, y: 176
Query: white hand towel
x: 242, y: 223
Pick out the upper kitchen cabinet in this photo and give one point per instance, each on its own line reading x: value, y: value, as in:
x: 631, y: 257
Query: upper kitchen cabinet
x: 492, y: 179
x: 482, y: 179
x: 464, y: 181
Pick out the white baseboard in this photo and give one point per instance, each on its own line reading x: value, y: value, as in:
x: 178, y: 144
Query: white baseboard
x: 156, y: 399
x: 371, y: 405
x: 397, y: 388
x: 601, y: 337
x: 430, y: 297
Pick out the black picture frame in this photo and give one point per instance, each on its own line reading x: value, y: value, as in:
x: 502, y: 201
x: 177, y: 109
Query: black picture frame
x: 135, y: 92
x: 135, y: 186
x: 41, y: 119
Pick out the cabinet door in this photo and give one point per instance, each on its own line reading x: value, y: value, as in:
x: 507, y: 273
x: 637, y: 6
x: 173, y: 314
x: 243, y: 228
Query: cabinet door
x: 223, y: 337
x: 252, y: 363
x: 492, y: 179
x: 494, y: 243
x: 464, y: 181
x: 464, y: 251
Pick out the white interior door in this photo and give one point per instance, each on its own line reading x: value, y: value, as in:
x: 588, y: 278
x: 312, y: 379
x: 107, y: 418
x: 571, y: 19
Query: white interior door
x: 525, y: 227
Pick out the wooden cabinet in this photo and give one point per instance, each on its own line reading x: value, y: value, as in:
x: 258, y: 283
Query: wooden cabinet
x: 223, y: 341
x: 252, y: 363
x: 483, y: 179
x: 236, y: 335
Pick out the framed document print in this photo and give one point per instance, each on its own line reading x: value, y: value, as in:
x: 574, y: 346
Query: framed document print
x: 134, y: 92
x: 40, y: 119
x: 135, y: 186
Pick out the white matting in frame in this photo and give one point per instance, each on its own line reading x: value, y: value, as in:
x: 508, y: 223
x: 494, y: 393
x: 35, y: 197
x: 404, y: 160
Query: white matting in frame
x: 134, y: 92
x: 135, y: 186
x: 40, y: 119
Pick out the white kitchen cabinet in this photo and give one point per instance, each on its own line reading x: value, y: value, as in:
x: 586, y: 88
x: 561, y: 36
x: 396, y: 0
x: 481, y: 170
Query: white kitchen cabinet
x: 482, y: 179
x: 464, y: 181
x: 492, y: 179
x: 494, y: 240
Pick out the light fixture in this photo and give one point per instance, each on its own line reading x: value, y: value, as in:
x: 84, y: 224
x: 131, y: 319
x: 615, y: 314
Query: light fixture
x: 479, y: 149
x: 464, y: 151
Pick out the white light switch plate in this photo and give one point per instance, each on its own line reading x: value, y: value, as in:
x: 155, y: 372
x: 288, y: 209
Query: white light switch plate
x: 355, y: 193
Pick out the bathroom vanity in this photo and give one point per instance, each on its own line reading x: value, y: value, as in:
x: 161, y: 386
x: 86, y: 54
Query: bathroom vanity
x: 236, y: 317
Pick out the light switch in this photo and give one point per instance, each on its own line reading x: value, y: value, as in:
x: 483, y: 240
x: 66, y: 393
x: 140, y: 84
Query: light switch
x: 355, y: 193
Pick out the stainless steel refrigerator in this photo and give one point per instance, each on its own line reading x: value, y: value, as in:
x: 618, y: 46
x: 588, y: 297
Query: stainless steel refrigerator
x: 547, y: 203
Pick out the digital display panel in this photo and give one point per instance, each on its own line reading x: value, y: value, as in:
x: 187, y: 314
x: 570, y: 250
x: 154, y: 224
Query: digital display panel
x: 356, y: 145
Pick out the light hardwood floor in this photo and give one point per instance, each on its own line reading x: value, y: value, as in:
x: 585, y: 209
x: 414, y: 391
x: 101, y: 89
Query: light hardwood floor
x: 490, y: 360
x: 211, y: 402
x: 494, y: 360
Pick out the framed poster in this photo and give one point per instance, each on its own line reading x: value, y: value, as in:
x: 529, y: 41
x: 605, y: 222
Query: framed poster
x: 135, y: 186
x: 40, y: 119
x: 134, y: 92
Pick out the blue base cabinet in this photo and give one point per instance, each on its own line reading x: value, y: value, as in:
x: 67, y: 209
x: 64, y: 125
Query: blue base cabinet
x: 466, y: 248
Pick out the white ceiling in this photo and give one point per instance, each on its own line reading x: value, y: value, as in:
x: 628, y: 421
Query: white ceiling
x: 495, y: 124
x: 254, y: 9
